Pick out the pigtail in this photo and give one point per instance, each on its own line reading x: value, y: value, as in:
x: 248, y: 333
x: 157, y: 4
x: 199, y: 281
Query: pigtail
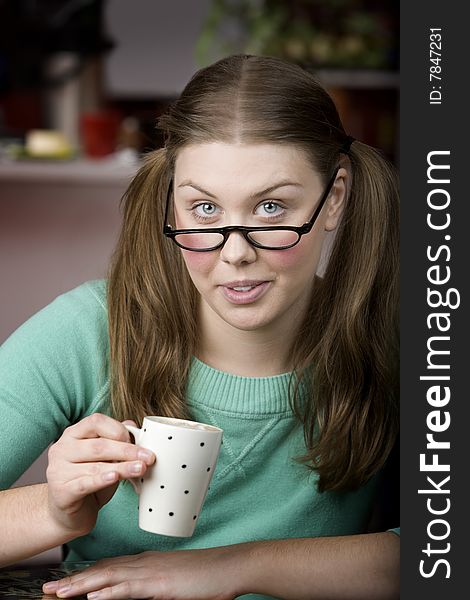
x: 149, y: 333
x: 352, y: 422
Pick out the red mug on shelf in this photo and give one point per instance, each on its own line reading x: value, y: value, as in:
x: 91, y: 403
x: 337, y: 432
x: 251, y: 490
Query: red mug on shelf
x: 99, y: 131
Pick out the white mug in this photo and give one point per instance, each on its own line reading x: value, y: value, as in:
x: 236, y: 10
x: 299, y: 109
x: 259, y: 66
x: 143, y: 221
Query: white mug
x: 173, y: 490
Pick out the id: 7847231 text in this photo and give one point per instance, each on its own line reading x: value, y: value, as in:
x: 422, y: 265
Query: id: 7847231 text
x: 435, y: 69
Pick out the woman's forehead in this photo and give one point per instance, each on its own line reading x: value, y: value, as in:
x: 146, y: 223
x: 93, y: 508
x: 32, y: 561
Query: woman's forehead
x: 260, y: 163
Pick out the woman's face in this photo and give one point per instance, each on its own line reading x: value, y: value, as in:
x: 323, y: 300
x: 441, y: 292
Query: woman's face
x: 219, y: 184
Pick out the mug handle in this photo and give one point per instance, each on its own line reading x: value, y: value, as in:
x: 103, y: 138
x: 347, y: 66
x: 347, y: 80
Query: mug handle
x: 136, y: 432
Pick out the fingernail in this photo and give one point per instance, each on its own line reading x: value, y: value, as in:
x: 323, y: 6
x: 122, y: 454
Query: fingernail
x: 93, y: 595
x: 136, y: 468
x: 144, y: 455
x: 50, y: 586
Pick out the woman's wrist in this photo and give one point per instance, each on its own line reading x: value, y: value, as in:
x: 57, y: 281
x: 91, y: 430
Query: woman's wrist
x: 66, y: 528
x: 27, y: 524
x: 232, y: 565
x: 247, y: 567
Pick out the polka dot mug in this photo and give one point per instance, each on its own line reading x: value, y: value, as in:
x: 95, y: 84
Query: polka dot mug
x: 172, y: 492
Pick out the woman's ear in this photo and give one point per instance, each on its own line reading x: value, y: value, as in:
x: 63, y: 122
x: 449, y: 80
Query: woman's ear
x: 337, y: 200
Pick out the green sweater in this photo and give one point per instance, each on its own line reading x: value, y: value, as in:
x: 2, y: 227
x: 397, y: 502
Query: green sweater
x: 54, y: 372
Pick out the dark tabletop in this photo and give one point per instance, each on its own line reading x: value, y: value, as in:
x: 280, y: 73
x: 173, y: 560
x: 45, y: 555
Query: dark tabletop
x: 20, y: 582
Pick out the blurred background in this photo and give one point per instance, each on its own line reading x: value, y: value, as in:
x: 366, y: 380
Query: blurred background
x: 82, y: 83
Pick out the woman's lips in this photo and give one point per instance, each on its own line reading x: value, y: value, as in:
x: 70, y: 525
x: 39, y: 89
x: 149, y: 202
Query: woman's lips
x: 244, y: 296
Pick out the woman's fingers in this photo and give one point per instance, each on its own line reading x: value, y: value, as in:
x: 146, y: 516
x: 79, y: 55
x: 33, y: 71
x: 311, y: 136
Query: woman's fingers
x: 92, y: 455
x: 109, y: 581
x: 79, y: 576
x: 107, y: 566
x: 109, y: 472
x: 131, y: 588
x: 196, y: 574
x: 85, y: 466
x: 88, y: 479
x: 99, y: 425
x: 102, y: 449
x: 99, y: 438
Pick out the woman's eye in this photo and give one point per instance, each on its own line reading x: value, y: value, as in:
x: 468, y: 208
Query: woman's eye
x: 205, y: 209
x: 269, y: 209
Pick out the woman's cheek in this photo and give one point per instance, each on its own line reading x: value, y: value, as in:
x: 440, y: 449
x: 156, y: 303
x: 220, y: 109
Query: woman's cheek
x: 305, y: 254
x: 285, y: 259
x: 198, y: 261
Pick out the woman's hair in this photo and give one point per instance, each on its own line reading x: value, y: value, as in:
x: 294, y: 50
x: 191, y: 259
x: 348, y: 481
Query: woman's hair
x: 346, y: 350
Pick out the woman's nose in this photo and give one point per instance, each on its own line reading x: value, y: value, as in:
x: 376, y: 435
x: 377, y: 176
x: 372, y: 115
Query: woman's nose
x: 237, y: 249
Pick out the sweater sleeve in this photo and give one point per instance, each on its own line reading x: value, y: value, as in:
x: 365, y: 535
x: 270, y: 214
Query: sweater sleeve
x: 53, y: 372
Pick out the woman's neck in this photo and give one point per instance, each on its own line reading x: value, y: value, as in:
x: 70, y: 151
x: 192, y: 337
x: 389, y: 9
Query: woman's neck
x: 258, y: 353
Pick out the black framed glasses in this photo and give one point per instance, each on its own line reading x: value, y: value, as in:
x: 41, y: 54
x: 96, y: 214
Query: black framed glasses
x: 277, y: 237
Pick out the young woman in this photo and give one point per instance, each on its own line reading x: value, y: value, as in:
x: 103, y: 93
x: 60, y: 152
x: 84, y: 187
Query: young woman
x: 214, y: 310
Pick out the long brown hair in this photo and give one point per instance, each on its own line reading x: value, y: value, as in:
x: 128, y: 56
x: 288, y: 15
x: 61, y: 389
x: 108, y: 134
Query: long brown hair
x: 347, y: 347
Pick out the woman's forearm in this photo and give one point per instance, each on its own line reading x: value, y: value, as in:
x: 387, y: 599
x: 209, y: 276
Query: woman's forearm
x: 358, y: 567
x: 26, y: 526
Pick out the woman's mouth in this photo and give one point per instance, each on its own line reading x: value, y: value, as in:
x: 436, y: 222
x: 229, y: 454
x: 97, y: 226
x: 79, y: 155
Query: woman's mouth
x: 244, y: 292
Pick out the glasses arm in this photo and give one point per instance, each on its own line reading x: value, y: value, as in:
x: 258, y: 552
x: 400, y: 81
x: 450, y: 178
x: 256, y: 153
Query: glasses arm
x: 167, y: 228
x: 306, y: 227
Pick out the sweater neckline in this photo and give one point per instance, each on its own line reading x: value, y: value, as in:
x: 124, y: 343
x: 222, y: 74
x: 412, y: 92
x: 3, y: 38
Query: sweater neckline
x: 226, y: 392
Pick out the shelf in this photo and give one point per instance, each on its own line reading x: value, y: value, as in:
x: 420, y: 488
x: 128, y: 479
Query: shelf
x: 358, y: 78
x: 80, y: 171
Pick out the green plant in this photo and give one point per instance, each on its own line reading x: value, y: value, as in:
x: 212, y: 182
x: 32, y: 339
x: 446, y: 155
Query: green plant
x: 320, y: 33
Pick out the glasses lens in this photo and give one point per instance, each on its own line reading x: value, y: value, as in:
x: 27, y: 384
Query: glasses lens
x: 277, y: 238
x: 199, y: 241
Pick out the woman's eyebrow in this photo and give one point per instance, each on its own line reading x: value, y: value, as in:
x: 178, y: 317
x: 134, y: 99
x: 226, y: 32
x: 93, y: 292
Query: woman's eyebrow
x: 271, y: 188
x: 189, y: 183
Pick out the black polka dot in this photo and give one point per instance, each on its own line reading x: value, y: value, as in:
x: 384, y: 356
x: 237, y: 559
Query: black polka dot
x: 202, y: 444
x: 162, y: 487
x: 150, y: 509
x: 186, y: 491
x: 195, y: 517
x: 171, y: 514
x: 170, y: 437
x: 184, y: 466
x: 145, y: 430
x: 141, y: 480
x: 208, y: 469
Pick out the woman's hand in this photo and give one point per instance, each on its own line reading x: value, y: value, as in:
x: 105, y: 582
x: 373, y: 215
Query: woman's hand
x: 187, y: 574
x: 85, y: 466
